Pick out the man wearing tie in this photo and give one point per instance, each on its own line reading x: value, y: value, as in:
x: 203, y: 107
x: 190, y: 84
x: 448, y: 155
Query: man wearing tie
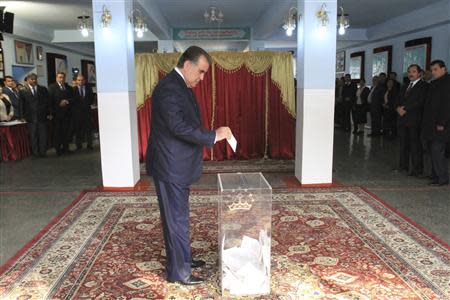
x: 13, y: 94
x: 410, y: 110
x: 61, y: 95
x: 83, y: 99
x: 436, y: 123
x: 175, y: 157
x: 36, y: 111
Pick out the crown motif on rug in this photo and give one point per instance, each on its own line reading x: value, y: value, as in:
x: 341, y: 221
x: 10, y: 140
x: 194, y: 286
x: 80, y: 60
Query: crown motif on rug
x: 242, y: 204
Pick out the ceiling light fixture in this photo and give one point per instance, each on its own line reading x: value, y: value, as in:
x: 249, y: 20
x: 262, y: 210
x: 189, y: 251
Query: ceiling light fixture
x: 322, y: 15
x: 138, y: 22
x: 106, y: 17
x: 214, y: 15
x: 84, y: 25
x: 343, y: 22
x: 290, y: 22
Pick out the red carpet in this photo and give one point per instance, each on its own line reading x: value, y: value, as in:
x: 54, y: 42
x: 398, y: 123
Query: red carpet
x: 338, y: 243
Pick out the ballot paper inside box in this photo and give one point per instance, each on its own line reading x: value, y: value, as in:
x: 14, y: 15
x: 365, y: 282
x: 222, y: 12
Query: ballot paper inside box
x: 245, y: 210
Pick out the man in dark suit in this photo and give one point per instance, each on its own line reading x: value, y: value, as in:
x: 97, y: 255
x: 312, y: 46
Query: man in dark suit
x: 349, y: 98
x: 376, y: 100
x: 175, y: 157
x: 81, y: 112
x: 36, y: 111
x: 13, y: 94
x: 61, y: 96
x: 410, y: 111
x: 436, y: 123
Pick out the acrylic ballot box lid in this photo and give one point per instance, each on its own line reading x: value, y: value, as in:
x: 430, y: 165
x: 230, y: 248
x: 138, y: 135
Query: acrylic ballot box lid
x: 245, y: 212
x: 230, y: 182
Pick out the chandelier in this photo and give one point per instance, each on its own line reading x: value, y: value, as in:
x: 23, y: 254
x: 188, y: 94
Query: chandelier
x: 84, y: 25
x: 343, y: 22
x: 290, y: 22
x: 214, y: 15
x: 138, y: 22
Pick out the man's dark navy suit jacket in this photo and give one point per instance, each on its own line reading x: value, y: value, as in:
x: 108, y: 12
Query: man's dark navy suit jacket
x: 175, y: 148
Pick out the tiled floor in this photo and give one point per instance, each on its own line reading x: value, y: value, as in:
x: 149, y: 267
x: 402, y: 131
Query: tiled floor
x: 34, y: 191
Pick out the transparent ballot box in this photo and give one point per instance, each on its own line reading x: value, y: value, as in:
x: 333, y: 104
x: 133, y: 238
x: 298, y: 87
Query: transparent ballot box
x: 245, y: 211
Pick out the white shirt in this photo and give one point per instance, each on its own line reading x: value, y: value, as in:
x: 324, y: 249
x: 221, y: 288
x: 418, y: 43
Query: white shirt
x: 414, y: 82
x: 181, y: 74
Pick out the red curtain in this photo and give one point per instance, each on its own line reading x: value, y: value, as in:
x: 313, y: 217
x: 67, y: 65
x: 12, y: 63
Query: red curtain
x: 240, y: 103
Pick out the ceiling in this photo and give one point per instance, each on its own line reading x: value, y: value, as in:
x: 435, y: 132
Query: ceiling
x: 366, y: 13
x: 62, y: 14
x: 238, y: 13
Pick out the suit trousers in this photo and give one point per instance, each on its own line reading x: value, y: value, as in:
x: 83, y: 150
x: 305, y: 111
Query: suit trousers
x: 38, y: 137
x: 173, y: 200
x: 440, y: 160
x: 410, y: 149
x: 376, y: 117
x: 63, y: 134
x: 83, y: 129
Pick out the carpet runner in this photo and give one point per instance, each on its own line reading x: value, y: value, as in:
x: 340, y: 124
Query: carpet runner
x: 339, y: 243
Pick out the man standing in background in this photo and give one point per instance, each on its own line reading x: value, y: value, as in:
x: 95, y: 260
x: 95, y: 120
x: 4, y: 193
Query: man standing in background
x: 61, y: 96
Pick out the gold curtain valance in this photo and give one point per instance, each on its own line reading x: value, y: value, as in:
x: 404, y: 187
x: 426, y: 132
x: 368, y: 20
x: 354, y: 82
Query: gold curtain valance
x: 148, y: 66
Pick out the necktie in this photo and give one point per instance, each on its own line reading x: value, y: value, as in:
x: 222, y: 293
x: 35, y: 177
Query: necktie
x: 62, y: 87
x: 410, y: 86
x: 33, y: 90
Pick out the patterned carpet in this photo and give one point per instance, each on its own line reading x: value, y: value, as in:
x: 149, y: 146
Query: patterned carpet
x: 245, y: 166
x: 337, y: 243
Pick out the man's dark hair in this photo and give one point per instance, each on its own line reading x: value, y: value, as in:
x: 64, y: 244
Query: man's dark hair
x: 193, y: 54
x: 383, y: 74
x: 30, y: 75
x: 8, y: 77
x: 393, y: 73
x: 348, y: 75
x: 61, y: 73
x: 419, y: 69
x: 438, y: 62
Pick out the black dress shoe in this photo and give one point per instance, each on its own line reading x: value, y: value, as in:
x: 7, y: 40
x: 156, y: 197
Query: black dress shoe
x: 191, y: 280
x: 197, y: 264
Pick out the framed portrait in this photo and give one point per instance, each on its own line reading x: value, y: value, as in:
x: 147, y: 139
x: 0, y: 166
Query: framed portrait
x: 39, y: 53
x: 88, y: 71
x: 56, y: 63
x: 357, y: 61
x: 417, y: 52
x: 340, y: 62
x: 24, y: 53
x: 382, y: 60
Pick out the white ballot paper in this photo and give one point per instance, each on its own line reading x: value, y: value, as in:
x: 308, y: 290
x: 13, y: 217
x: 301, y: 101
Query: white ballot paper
x: 233, y: 143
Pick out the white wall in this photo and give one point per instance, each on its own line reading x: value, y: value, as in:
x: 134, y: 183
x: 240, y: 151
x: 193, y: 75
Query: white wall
x: 439, y: 49
x: 73, y: 59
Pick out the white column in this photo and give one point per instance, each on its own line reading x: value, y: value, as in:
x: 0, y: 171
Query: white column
x: 316, y: 63
x: 114, y: 57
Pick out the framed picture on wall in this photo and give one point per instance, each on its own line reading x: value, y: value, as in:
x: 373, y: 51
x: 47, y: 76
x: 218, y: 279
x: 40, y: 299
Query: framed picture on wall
x: 382, y: 60
x: 340, y: 62
x: 39, y: 53
x: 417, y: 52
x: 357, y: 61
x: 56, y: 63
x: 88, y: 71
x: 24, y: 53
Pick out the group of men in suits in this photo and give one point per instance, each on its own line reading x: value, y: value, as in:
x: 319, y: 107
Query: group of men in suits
x: 68, y: 107
x: 424, y: 123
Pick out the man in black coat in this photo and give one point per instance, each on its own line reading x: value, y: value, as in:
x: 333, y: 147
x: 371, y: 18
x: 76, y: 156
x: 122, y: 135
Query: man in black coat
x: 36, y: 111
x: 13, y: 94
x: 175, y: 157
x: 410, y: 111
x: 436, y: 123
x: 61, y: 96
x: 376, y: 100
x: 81, y: 112
x: 349, y: 98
